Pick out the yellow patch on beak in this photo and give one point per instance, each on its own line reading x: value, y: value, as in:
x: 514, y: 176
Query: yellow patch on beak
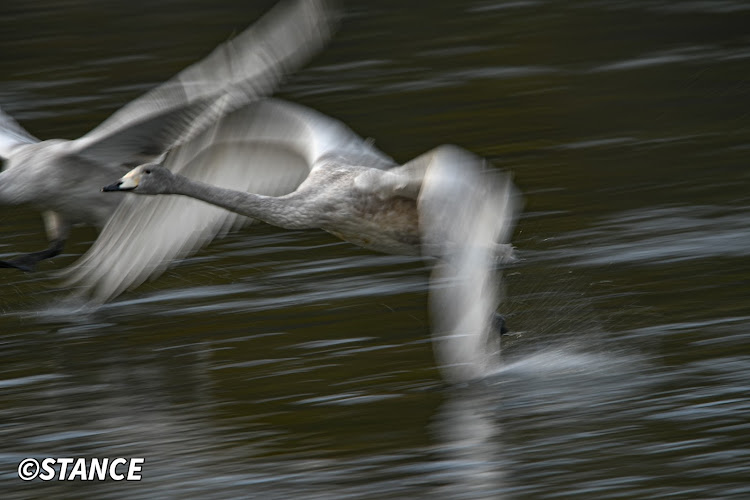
x: 131, y: 179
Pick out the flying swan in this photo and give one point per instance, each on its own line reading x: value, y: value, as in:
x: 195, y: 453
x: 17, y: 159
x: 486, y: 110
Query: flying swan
x: 445, y: 205
x: 245, y: 68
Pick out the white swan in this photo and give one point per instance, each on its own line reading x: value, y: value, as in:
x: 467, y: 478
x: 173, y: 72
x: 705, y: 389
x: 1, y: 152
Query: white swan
x: 241, y: 70
x: 442, y: 204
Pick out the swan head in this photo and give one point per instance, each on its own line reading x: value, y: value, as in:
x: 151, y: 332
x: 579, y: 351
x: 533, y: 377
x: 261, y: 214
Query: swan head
x: 149, y: 178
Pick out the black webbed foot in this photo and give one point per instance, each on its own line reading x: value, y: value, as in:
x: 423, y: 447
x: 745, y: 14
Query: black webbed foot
x: 498, y: 323
x: 27, y: 263
x: 22, y: 263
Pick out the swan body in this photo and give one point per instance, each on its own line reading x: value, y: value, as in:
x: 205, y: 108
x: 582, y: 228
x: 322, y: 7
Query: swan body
x: 328, y: 199
x: 243, y: 69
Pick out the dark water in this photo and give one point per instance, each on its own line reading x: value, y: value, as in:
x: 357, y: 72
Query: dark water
x: 290, y: 365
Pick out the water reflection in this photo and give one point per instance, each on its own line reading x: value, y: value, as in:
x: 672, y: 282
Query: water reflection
x: 470, y: 462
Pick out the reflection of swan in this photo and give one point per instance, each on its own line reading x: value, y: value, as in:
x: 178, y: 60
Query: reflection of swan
x: 238, y: 71
x: 468, y: 435
x: 440, y: 204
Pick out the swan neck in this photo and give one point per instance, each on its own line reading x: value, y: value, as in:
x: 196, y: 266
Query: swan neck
x: 277, y: 211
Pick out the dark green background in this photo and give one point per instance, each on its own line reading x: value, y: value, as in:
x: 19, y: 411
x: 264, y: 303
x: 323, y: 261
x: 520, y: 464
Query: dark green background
x: 291, y: 365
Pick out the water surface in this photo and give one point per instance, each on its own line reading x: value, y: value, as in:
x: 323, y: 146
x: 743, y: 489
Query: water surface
x: 291, y: 365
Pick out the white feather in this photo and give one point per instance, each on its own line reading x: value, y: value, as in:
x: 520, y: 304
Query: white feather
x: 465, y: 212
x: 267, y: 147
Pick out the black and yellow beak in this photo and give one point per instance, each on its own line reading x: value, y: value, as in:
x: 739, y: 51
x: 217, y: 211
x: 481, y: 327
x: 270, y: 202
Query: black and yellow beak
x: 128, y: 183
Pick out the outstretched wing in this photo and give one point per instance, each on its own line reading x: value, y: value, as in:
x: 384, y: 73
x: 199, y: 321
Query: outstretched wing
x: 12, y: 134
x: 465, y: 212
x: 267, y: 147
x: 246, y: 67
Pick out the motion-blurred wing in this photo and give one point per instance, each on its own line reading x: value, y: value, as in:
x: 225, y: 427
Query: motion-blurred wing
x: 267, y: 147
x: 12, y: 134
x: 464, y: 213
x: 249, y: 66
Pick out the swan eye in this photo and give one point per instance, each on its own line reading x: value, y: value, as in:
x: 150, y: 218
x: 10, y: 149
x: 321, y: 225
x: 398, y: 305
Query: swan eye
x: 147, y: 171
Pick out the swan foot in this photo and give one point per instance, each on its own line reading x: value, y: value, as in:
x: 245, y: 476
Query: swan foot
x: 27, y: 263
x: 498, y: 323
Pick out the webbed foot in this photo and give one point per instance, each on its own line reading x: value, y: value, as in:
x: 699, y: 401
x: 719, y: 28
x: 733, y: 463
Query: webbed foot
x: 23, y: 263
x: 27, y: 263
x: 498, y: 323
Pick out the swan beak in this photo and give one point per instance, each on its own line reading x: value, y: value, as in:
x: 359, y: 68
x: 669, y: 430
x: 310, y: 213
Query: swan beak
x: 112, y: 187
x: 128, y: 183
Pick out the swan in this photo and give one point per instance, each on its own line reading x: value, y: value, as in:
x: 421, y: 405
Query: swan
x: 444, y: 205
x: 242, y: 69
